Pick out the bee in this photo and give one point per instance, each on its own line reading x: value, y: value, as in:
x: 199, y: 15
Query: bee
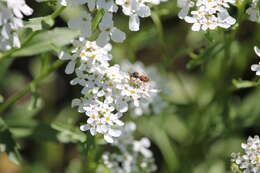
x: 144, y: 78
x: 137, y: 75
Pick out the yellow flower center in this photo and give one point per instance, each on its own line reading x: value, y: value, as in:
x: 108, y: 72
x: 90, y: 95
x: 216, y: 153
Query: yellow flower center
x: 110, y: 84
x: 93, y: 56
x: 132, y: 92
x: 89, y: 49
x: 82, y: 54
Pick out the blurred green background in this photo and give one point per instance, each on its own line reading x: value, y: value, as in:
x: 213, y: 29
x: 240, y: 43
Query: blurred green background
x: 211, y: 110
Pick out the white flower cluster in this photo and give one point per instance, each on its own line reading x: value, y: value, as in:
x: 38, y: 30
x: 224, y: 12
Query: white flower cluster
x: 132, y: 8
x: 11, y: 14
x: 207, y: 14
x: 250, y: 160
x: 256, y: 67
x: 155, y: 105
x: 133, y: 156
x: 106, y: 91
x: 107, y: 29
x: 253, y: 11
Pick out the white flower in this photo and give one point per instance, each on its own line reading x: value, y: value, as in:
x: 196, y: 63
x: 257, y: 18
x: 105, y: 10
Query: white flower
x: 249, y: 161
x: 80, y: 79
x: 107, y: 5
x: 108, y: 31
x: 253, y: 11
x: 134, y: 9
x: 201, y: 20
x: 157, y: 2
x: 106, y: 90
x: 71, y: 3
x: 71, y: 65
x: 142, y: 147
x: 19, y: 7
x: 155, y: 105
x: 225, y: 20
x: 133, y: 156
x: 121, y: 104
x: 83, y: 23
x: 185, y: 6
x: 207, y: 14
x: 91, y: 54
x: 102, y: 120
x: 11, y: 14
x: 257, y: 51
x: 256, y: 67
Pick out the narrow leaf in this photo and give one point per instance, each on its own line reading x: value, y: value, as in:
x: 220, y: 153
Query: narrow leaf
x: 44, y: 41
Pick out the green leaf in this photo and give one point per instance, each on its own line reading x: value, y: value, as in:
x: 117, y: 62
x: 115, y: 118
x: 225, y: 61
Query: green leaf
x: 35, y: 100
x: 235, y: 168
x: 44, y: 41
x: 20, y: 120
x: 238, y: 83
x: 248, y: 111
x: 64, y: 123
x: 152, y: 129
x: 40, y: 23
x: 47, y: 23
x: 206, y: 55
x: 4, y: 64
x: 97, y: 19
x: 88, y: 145
x: 8, y: 144
x: 35, y: 23
x: 71, y: 132
x: 44, y: 132
x: 1, y: 99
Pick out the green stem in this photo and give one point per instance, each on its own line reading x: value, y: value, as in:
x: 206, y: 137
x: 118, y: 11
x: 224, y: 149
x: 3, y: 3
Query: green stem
x: 166, y: 58
x: 57, y: 12
x: 157, y: 21
x: 235, y: 168
x: 29, y: 38
x: 10, y: 101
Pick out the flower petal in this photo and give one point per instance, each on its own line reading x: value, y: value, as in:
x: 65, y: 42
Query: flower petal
x: 84, y: 127
x: 108, y: 138
x: 117, y: 35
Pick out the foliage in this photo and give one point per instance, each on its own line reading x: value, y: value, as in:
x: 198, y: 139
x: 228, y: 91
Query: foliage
x: 212, y: 101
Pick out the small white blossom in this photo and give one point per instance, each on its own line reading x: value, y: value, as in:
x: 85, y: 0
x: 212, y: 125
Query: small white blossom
x: 253, y: 11
x: 249, y: 161
x: 107, y: 5
x: 256, y: 67
x: 206, y: 14
x: 155, y: 105
x: 19, y: 8
x: 133, y: 155
x: 83, y: 23
x: 142, y: 147
x: 11, y: 14
x: 185, y: 6
x: 108, y: 30
x: 134, y: 9
x: 71, y: 3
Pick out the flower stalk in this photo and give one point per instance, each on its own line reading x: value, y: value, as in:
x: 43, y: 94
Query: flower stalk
x: 10, y: 101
